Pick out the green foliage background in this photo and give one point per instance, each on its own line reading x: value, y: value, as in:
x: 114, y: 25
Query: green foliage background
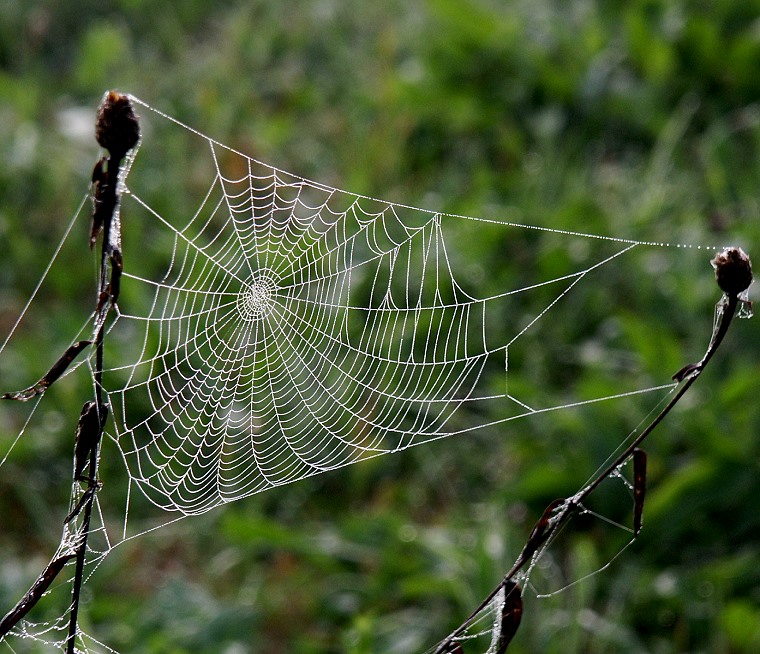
x: 639, y: 119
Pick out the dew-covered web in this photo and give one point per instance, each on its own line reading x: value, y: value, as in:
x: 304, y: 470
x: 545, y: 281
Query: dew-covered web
x: 298, y: 328
x: 271, y: 328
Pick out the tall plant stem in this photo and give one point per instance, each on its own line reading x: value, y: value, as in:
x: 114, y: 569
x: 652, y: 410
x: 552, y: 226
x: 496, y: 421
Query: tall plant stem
x: 93, y: 468
x: 118, y: 131
x: 734, y: 275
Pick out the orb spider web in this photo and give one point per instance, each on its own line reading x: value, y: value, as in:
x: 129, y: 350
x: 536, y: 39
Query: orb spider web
x: 297, y: 328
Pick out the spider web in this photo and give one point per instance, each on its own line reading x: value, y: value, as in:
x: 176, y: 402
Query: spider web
x: 290, y: 328
x: 298, y: 328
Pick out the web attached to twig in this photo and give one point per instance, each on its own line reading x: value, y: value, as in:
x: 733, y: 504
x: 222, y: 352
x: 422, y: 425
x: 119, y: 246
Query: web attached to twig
x: 292, y: 328
x: 299, y: 328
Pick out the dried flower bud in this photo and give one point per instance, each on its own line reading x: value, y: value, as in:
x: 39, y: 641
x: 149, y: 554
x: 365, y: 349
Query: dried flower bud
x: 117, y: 128
x: 733, y: 271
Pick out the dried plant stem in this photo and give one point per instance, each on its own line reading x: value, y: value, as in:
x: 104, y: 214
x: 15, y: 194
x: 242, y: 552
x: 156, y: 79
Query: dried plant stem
x: 32, y: 596
x: 93, y: 467
x: 107, y: 201
x: 560, y: 511
x: 118, y: 131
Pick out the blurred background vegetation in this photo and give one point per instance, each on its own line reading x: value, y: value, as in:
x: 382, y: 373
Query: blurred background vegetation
x: 639, y: 119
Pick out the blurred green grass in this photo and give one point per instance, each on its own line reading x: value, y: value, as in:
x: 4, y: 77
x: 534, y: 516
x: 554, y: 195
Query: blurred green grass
x: 637, y: 119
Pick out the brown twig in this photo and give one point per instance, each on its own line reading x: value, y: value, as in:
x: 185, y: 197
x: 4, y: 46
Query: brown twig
x: 51, y: 376
x: 117, y: 130
x: 32, y: 596
x: 733, y: 273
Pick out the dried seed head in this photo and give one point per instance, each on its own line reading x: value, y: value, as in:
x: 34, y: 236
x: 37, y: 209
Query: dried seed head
x: 117, y: 128
x: 733, y: 271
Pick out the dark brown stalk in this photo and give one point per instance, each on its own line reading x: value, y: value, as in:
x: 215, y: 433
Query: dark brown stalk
x: 35, y: 592
x: 51, y: 376
x: 117, y: 130
x: 733, y: 273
